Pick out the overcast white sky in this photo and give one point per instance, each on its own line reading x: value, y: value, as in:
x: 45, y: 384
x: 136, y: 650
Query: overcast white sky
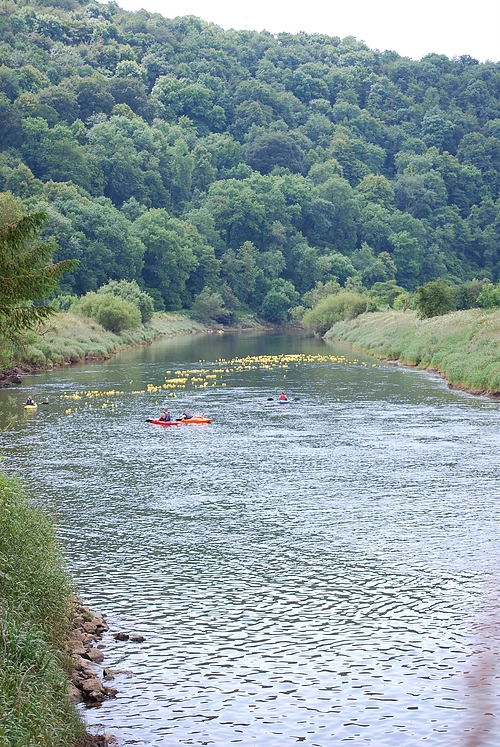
x: 451, y: 27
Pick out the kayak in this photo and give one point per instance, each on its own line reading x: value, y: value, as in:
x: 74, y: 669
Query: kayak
x: 30, y: 407
x: 197, y: 420
x: 164, y: 422
x: 283, y: 401
x: 191, y: 421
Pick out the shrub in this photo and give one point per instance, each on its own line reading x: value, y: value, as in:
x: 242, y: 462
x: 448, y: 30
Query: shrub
x: 467, y: 294
x: 343, y: 305
x: 489, y: 298
x: 209, y: 307
x: 130, y: 291
x: 434, y: 299
x: 64, y: 302
x: 116, y: 315
x: 113, y: 313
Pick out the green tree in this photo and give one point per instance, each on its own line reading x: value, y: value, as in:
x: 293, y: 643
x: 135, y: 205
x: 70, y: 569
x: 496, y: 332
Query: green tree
x: 489, y: 298
x: 170, y: 257
x: 274, y: 149
x: 434, y: 299
x: 209, y: 307
x: 26, y: 275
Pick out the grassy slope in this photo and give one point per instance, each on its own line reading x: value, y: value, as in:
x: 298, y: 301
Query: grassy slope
x: 74, y: 338
x: 464, y: 346
x: 35, y: 595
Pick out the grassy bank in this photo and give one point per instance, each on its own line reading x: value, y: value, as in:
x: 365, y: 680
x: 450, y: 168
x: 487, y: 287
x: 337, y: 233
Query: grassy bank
x: 464, y: 347
x: 74, y: 338
x: 35, y: 598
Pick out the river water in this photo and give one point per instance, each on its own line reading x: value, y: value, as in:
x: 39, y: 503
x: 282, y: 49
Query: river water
x: 319, y: 572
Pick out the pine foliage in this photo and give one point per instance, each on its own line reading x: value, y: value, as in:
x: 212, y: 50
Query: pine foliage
x: 27, y: 276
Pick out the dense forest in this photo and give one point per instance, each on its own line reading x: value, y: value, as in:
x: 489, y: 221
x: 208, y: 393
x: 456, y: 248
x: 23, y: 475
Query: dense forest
x: 250, y: 167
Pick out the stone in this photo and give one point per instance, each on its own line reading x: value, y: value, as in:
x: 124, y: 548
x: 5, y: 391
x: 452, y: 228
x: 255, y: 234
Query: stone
x: 79, y: 663
x: 95, y: 655
x: 92, y: 685
x: 137, y: 638
x: 74, y: 693
x: 77, y: 648
x: 121, y: 637
x: 110, y: 674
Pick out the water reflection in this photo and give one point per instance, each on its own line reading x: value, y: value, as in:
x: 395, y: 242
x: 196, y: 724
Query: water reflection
x: 309, y: 573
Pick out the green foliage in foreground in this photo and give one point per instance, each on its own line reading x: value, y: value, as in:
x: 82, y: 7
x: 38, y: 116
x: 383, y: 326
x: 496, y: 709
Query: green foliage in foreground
x: 26, y: 274
x: 463, y: 346
x: 35, y: 595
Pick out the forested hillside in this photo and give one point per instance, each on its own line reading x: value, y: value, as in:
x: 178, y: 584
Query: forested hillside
x: 253, y: 166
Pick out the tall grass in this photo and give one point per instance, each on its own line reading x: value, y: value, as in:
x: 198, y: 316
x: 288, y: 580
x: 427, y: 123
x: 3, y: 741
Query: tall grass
x: 463, y: 346
x: 74, y: 338
x: 35, y: 604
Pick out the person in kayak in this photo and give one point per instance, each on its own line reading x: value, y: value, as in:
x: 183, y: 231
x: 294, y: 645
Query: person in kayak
x: 30, y: 400
x: 186, y: 415
x: 283, y: 397
x: 165, y: 415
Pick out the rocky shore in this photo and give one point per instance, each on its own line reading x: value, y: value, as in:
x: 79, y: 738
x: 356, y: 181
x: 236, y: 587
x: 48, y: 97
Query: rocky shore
x: 12, y: 376
x: 86, y: 651
x: 85, y: 648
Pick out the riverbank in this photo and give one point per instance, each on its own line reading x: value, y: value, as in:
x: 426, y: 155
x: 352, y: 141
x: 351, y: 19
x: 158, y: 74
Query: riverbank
x: 70, y: 338
x: 463, y: 347
x: 36, y: 597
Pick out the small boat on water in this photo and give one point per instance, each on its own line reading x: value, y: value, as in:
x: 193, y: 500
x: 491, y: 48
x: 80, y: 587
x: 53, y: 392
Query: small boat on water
x: 163, y: 422
x: 31, y: 407
x: 197, y: 420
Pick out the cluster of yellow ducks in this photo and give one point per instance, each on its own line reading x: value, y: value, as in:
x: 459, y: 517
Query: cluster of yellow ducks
x: 176, y: 383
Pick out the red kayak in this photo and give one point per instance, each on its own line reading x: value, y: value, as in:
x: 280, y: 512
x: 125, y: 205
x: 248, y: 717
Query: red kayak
x: 164, y: 422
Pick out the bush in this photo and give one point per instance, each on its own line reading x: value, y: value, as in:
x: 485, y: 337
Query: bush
x: 113, y: 313
x: 434, y: 299
x: 467, y: 294
x: 64, y: 302
x: 209, y: 307
x: 130, y: 292
x: 343, y: 305
x: 489, y: 298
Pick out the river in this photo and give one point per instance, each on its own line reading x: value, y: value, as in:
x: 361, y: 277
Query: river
x: 318, y: 572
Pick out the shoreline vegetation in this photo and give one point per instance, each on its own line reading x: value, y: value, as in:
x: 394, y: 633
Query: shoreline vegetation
x: 50, y: 640
x: 36, y: 609
x: 70, y: 338
x: 463, y: 346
